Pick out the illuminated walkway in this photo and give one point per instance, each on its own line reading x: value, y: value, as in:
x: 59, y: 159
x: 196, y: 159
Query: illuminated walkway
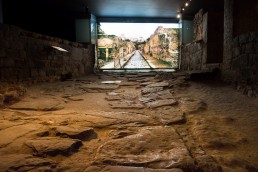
x: 137, y: 61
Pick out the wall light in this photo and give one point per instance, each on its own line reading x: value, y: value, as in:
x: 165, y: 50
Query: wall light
x: 59, y: 48
x: 186, y: 4
x: 178, y: 16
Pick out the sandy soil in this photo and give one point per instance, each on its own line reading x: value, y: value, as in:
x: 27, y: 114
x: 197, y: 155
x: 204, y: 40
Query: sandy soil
x: 131, y: 122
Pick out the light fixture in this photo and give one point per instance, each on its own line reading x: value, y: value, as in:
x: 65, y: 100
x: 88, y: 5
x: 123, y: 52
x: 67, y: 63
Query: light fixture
x: 178, y: 16
x: 59, y: 48
x: 186, y: 4
x: 183, y: 9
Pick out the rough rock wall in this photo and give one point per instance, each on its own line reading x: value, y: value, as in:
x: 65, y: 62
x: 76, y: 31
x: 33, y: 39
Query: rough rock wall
x: 198, y: 26
x: 245, y: 58
x: 192, y: 55
x: 227, y: 72
x: 30, y: 56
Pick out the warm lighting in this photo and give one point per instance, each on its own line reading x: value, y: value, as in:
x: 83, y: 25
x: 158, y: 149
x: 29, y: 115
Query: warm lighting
x: 183, y: 9
x: 178, y: 16
x: 186, y: 4
x: 59, y: 48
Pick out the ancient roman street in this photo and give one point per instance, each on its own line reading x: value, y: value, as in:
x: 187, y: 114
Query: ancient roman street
x: 121, y: 122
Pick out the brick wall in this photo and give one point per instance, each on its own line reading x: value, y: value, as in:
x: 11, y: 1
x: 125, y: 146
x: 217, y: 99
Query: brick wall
x: 30, y: 56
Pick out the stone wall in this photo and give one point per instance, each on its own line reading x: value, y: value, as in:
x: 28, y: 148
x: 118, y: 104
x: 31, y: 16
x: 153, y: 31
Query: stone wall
x: 206, y: 52
x: 227, y: 73
x: 245, y: 59
x: 191, y: 57
x: 30, y: 56
x: 245, y: 17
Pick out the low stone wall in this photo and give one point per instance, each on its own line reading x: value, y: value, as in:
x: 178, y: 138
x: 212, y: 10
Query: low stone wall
x: 191, y: 56
x: 30, y: 56
x: 245, y: 58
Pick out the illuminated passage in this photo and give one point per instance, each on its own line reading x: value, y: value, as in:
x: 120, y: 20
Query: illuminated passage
x: 137, y: 61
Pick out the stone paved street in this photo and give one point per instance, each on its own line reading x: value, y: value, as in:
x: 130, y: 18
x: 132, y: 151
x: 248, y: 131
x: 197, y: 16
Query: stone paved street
x: 129, y: 122
x: 137, y: 61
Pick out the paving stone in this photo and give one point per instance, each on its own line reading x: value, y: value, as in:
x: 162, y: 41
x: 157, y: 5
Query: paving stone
x: 99, y: 87
x: 147, y: 83
x: 148, y: 90
x: 53, y: 146
x: 113, y: 96
x: 126, y: 105
x: 40, y: 104
x: 192, y: 106
x: 23, y: 162
x: 128, y: 169
x: 159, y: 84
x: 152, y: 147
x: 9, y: 135
x: 207, y: 163
x: 174, y: 118
x: 76, y: 132
x: 161, y: 103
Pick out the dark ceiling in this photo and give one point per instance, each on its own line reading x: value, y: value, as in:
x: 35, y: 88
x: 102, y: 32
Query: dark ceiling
x: 149, y: 8
x: 157, y: 9
x: 57, y: 17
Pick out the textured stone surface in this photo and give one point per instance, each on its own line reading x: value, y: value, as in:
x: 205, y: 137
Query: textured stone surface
x: 75, y: 132
x: 126, y: 105
x: 147, y: 90
x: 206, y: 131
x: 53, y: 146
x: 42, y: 104
x: 188, y: 105
x: 23, y: 162
x: 159, y: 84
x: 100, y: 87
x: 145, y: 149
x: 31, y: 57
x: 160, y: 103
x: 129, y: 169
x: 9, y: 135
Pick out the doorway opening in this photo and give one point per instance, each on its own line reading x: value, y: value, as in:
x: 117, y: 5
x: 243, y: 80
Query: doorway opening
x: 137, y: 46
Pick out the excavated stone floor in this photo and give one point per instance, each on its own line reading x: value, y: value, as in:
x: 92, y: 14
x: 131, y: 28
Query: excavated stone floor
x: 130, y: 122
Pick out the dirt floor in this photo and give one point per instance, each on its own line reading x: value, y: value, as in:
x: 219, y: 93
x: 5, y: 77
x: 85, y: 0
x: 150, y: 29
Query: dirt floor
x: 129, y: 122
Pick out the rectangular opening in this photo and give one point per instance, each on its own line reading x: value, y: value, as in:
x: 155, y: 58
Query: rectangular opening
x: 138, y: 45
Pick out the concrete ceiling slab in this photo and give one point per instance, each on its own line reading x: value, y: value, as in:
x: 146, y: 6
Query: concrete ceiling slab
x: 158, y: 9
x: 135, y: 8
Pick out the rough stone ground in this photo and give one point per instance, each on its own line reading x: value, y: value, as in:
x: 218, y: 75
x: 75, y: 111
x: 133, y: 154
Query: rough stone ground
x: 128, y: 122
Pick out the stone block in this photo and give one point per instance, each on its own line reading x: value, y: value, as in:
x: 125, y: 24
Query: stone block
x: 254, y: 60
x: 34, y: 73
x: 42, y: 73
x: 256, y: 47
x: 235, y: 63
x: 254, y: 36
x: 23, y: 74
x: 249, y: 48
x: 236, y: 51
x: 244, y: 38
x: 39, y: 64
x: 7, y: 62
x: 236, y: 42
